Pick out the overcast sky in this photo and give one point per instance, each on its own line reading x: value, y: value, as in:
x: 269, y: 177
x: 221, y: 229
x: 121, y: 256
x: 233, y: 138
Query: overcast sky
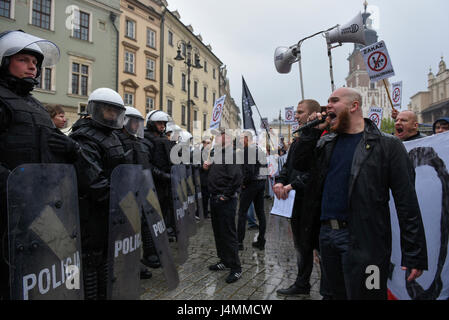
x: 245, y: 33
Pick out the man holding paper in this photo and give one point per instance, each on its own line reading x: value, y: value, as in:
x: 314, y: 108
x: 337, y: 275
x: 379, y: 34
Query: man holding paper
x: 290, y: 179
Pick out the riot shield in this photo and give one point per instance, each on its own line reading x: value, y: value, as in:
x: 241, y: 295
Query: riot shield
x: 153, y: 216
x: 44, y: 233
x: 124, y: 248
x: 180, y: 211
x: 198, y: 195
x: 191, y: 203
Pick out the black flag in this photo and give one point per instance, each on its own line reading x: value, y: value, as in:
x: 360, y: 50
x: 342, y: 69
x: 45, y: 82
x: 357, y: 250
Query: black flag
x: 247, y: 103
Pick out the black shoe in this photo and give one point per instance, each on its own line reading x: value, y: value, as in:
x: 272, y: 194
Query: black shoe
x: 151, y: 261
x: 233, y: 277
x: 253, y: 227
x: 217, y: 267
x: 293, y: 290
x: 259, y: 245
x: 240, y: 246
x: 145, y: 273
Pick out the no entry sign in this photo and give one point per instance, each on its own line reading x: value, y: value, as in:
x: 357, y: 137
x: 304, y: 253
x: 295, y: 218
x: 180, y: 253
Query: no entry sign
x: 289, y: 115
x: 375, y: 115
x: 377, y: 61
x: 217, y: 113
x: 396, y: 95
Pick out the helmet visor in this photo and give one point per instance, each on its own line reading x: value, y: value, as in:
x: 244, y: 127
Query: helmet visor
x: 106, y: 114
x: 15, y: 41
x: 134, y: 126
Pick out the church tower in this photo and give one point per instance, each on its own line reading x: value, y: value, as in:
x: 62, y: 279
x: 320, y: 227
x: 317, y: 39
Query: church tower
x: 373, y: 94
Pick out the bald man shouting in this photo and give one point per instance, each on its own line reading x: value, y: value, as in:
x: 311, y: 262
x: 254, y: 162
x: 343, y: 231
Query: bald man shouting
x: 406, y: 126
x: 353, y: 169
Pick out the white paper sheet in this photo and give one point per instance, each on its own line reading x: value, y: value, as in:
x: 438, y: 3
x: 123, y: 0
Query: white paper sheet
x: 284, y: 208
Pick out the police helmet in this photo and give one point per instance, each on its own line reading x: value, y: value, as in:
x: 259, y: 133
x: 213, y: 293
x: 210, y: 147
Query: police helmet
x: 106, y: 108
x: 133, y: 122
x: 14, y: 42
x: 156, y: 116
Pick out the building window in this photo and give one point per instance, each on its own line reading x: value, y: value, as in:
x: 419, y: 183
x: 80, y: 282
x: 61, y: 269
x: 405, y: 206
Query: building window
x: 84, y: 22
x: 45, y: 79
x: 151, y: 67
x: 129, y: 61
x: 372, y: 85
x: 130, y: 29
x: 183, y: 49
x: 195, y: 115
x: 170, y: 38
x: 213, y: 73
x: 183, y: 115
x: 170, y: 75
x: 41, y: 16
x: 213, y: 98
x: 195, y: 89
x: 5, y: 8
x: 205, y: 66
x: 128, y: 99
x: 151, y: 38
x: 205, y: 94
x: 183, y: 82
x: 149, y: 104
x: 170, y: 107
x: 204, y: 121
x: 80, y: 79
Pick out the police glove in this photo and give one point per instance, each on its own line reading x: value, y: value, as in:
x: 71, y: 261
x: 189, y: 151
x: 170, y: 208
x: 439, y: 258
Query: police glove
x: 161, y: 174
x: 60, y: 143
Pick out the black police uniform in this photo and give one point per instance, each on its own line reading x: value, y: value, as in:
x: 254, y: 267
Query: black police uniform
x: 27, y: 135
x: 137, y: 152
x: 104, y: 151
x: 160, y: 147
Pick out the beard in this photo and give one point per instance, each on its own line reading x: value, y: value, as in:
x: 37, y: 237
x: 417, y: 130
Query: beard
x: 343, y: 122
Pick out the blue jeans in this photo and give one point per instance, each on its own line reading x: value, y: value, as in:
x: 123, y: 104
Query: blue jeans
x: 251, y: 216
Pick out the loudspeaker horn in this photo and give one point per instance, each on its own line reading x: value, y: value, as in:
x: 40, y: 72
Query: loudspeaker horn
x: 284, y: 57
x: 352, y: 32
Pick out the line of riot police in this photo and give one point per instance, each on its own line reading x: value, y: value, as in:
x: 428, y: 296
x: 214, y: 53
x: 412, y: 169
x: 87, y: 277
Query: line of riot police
x: 89, y: 195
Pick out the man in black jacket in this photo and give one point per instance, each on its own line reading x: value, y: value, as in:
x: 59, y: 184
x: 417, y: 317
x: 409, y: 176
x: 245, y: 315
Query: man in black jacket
x: 291, y: 179
x: 353, y: 170
x: 253, y: 189
x: 225, y: 179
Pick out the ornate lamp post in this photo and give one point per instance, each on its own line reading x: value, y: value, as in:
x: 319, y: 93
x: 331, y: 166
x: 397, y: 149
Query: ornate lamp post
x: 190, y: 64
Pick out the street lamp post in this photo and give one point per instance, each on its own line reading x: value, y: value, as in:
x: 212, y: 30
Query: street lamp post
x: 188, y: 61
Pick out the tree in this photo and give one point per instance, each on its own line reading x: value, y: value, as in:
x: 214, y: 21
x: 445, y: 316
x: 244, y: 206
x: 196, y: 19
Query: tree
x: 387, y: 125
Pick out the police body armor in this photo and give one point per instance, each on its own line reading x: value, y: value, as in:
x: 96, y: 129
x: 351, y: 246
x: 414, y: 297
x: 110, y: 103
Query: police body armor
x: 124, y: 248
x: 180, y: 207
x: 44, y: 233
x: 25, y: 141
x: 153, y: 217
x: 134, y: 149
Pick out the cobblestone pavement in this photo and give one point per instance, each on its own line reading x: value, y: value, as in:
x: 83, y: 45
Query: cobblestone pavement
x: 263, y: 271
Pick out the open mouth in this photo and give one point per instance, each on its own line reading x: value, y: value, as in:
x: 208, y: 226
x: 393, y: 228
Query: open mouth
x: 399, y: 130
x: 332, y: 115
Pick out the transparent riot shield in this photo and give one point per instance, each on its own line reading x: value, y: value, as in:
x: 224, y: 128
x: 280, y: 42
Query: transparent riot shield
x: 191, y: 203
x: 198, y: 196
x: 124, y: 247
x: 180, y: 211
x: 153, y: 216
x: 44, y: 233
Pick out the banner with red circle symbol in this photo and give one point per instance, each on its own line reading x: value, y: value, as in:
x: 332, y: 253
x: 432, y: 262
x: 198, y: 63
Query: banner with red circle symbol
x: 290, y: 115
x: 396, y: 95
x: 217, y: 112
x: 377, y: 61
x: 375, y: 115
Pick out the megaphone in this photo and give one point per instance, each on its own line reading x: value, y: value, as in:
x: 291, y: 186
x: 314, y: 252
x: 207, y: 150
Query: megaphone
x: 352, y: 32
x: 284, y: 57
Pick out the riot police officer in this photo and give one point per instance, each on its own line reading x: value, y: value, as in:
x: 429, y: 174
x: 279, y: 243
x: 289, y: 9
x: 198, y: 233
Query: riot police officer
x: 104, y: 150
x: 131, y: 137
x: 160, y: 147
x: 27, y: 134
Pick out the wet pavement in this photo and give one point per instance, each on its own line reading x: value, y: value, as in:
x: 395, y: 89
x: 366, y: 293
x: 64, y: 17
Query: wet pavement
x: 263, y: 272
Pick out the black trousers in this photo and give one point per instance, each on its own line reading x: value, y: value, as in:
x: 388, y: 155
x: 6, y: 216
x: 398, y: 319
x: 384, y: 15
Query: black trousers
x: 205, y: 198
x: 304, y: 254
x: 254, y: 192
x: 223, y: 225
